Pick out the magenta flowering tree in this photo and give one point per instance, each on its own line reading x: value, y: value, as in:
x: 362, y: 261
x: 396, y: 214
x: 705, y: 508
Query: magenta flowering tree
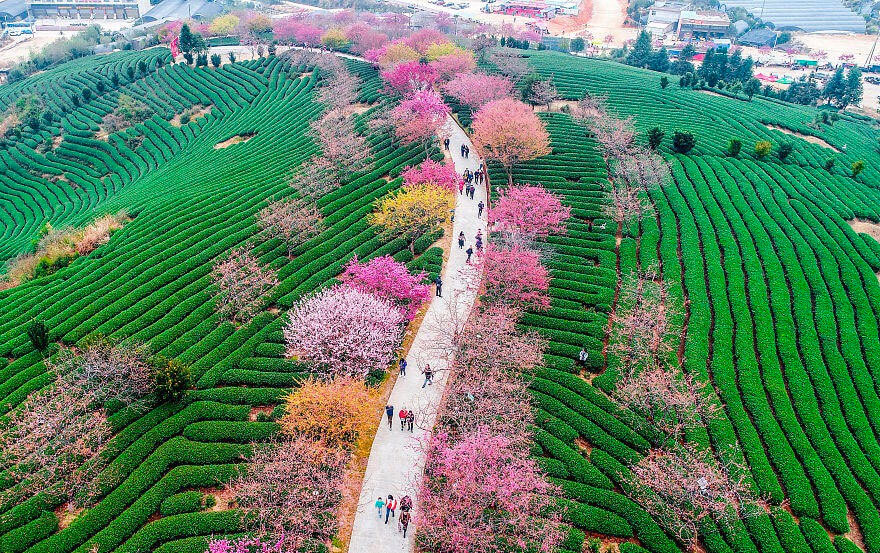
x: 293, y: 30
x: 364, y: 37
x: 452, y: 64
x: 514, y: 277
x: 389, y: 280
x: 408, y: 78
x: 344, y: 330
x: 529, y: 209
x: 432, y: 172
x: 476, y: 89
x: 417, y: 119
x: 509, y: 503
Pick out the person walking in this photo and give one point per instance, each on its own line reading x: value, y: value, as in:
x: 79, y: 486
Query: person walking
x: 390, y: 506
x: 479, y: 244
x: 460, y: 187
x: 446, y: 144
x: 480, y: 207
x: 473, y: 189
x: 403, y: 524
x: 469, y: 252
x: 461, y: 240
x: 379, y: 504
x: 404, y: 414
x: 410, y: 420
x: 438, y: 284
x: 389, y: 410
x: 582, y: 358
x: 429, y: 375
x: 402, y: 365
x: 462, y: 150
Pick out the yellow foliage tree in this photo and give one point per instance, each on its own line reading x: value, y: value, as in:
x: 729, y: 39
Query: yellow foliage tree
x: 397, y: 53
x: 439, y: 49
x: 334, y: 38
x: 259, y: 24
x: 224, y: 24
x: 335, y: 412
x: 413, y: 211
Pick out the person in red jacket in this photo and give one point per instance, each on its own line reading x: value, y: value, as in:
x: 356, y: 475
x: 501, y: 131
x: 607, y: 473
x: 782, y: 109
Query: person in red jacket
x: 403, y: 414
x: 390, y: 506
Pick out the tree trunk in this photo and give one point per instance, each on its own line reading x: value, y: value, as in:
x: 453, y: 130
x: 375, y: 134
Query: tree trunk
x: 509, y: 176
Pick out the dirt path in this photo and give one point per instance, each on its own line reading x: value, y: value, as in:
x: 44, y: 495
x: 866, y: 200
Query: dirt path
x: 598, y: 18
x: 396, y: 460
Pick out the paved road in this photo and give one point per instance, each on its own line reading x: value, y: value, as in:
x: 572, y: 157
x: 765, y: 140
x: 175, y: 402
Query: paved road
x: 396, y: 462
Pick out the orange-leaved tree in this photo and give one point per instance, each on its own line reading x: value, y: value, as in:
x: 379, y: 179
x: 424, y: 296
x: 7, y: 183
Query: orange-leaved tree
x: 509, y: 132
x: 335, y: 411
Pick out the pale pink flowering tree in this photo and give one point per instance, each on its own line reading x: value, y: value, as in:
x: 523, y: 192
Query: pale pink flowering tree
x: 314, y: 178
x: 514, y: 277
x: 476, y: 89
x: 290, y: 491
x: 364, y: 37
x: 241, y: 284
x: 341, y: 145
x: 508, y: 502
x: 453, y: 64
x: 432, y: 172
x: 529, y: 209
x: 339, y: 90
x: 294, y: 221
x: 683, y: 486
x: 616, y: 137
x: 418, y: 119
x: 245, y: 545
x: 408, y: 78
x: 626, y: 204
x: 509, y: 132
x: 343, y: 330
x: 389, y: 280
x: 644, y: 331
x: 423, y: 38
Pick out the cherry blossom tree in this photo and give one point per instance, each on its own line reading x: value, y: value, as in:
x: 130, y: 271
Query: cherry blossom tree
x: 335, y: 412
x: 364, y: 37
x: 244, y: 545
x: 314, y: 178
x: 514, y: 277
x: 541, y: 92
x: 509, y: 503
x: 510, y: 65
x: 477, y: 89
x: 529, y: 209
x: 683, y: 485
x: 642, y: 169
x: 344, y: 331
x: 341, y: 145
x: 450, y: 65
x: 290, y: 491
x: 391, y: 54
x: 294, y: 221
x: 413, y: 211
x: 293, y: 30
x: 389, y: 280
x: 507, y: 131
x: 241, y: 284
x: 408, y: 78
x: 432, y: 172
x: 616, y: 137
x: 419, y: 118
x: 339, y: 90
x: 422, y: 39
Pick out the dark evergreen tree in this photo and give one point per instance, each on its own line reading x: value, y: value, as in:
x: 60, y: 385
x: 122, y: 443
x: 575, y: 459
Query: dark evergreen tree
x: 641, y: 51
x: 655, y: 137
x: 659, y: 60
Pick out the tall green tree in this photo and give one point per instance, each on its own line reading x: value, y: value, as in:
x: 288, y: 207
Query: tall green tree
x: 853, y: 87
x: 641, y: 51
x: 835, y: 88
x: 659, y: 60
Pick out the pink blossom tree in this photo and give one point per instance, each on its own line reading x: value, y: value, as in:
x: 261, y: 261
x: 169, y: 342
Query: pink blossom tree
x: 529, y: 209
x: 314, y: 178
x: 451, y: 65
x: 389, y: 280
x: 423, y: 38
x: 293, y: 30
x: 341, y: 145
x: 290, y: 491
x: 507, y: 131
x: 509, y: 502
x: 419, y: 118
x: 294, y: 221
x: 241, y: 284
x: 432, y: 172
x: 514, y: 277
x: 408, y: 78
x: 343, y: 330
x: 477, y: 89
x: 363, y: 37
x: 244, y: 545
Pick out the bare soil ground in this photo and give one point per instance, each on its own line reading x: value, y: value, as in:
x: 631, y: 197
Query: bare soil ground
x: 66, y: 514
x: 237, y: 139
x: 196, y: 112
x: 809, y: 138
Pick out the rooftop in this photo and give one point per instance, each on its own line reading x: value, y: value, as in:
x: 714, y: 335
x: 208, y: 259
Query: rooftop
x: 10, y: 9
x: 182, y: 9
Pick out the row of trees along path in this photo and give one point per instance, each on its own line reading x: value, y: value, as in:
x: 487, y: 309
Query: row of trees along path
x: 396, y: 459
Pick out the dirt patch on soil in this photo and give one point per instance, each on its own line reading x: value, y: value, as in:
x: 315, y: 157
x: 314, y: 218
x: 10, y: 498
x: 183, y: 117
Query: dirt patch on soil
x: 358, y: 108
x: 66, y: 514
x: 255, y: 411
x: 305, y: 74
x: 225, y: 498
x: 102, y: 134
x: 585, y: 446
x: 558, y: 105
x: 196, y: 112
x: 855, y: 531
x: 863, y: 226
x: 56, y: 141
x: 237, y: 139
x: 809, y: 138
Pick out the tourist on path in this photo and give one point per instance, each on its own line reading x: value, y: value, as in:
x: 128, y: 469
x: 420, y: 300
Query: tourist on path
x: 429, y: 375
x: 403, y: 416
x: 461, y: 240
x: 479, y: 244
x: 469, y: 252
x: 404, y: 522
x: 410, y: 420
x: 390, y: 506
x: 460, y: 186
x: 445, y: 143
x: 379, y: 504
x: 480, y: 207
x: 402, y: 365
x: 438, y: 283
x: 389, y: 410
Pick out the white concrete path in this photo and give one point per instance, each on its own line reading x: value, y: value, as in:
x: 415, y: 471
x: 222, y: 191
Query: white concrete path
x: 396, y: 462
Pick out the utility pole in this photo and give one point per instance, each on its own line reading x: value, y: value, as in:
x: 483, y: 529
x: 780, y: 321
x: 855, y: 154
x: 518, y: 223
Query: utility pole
x: 873, y: 47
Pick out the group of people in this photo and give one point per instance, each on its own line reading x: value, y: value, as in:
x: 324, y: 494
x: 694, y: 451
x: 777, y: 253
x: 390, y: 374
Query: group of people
x: 429, y: 379
x: 469, y: 182
x: 390, y: 505
x: 478, y: 242
x: 407, y: 417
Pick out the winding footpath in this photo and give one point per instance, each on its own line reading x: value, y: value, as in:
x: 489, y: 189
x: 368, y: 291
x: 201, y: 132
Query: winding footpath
x: 396, y: 460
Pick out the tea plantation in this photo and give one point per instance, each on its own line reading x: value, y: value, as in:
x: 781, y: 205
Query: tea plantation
x: 191, y: 203
x: 781, y: 312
